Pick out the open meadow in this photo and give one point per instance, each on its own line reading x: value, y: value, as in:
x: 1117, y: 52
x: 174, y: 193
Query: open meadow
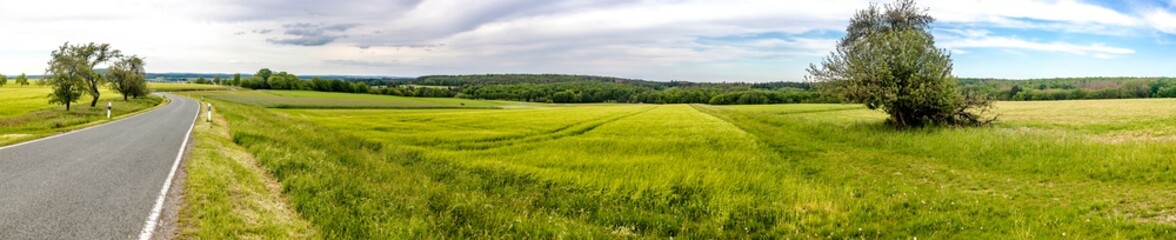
x: 183, y: 87
x: 25, y: 112
x: 1085, y: 169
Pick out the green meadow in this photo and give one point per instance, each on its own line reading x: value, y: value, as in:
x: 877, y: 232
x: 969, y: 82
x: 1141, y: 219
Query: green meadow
x: 25, y: 112
x: 310, y: 99
x: 183, y: 87
x: 1065, y: 169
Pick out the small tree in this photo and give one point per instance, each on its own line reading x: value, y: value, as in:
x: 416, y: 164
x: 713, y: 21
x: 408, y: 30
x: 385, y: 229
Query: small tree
x: 65, y: 76
x: 22, y: 80
x: 128, y: 78
x: 3, y: 79
x: 236, y: 79
x: 216, y: 80
x: 888, y: 60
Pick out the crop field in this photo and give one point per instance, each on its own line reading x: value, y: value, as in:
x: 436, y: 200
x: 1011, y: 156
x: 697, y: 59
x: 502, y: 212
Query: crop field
x: 309, y: 99
x: 182, y: 87
x: 1084, y: 169
x: 25, y: 112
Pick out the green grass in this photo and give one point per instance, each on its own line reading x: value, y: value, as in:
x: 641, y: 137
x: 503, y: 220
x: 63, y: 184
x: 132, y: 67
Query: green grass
x: 183, y: 87
x: 228, y: 196
x: 1070, y: 169
x: 309, y: 99
x: 25, y: 112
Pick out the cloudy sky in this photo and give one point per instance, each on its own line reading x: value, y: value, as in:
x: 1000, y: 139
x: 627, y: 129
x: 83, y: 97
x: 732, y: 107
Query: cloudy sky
x: 728, y: 40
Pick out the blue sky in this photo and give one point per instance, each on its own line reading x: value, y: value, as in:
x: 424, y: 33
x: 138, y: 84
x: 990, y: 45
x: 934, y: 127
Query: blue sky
x: 731, y: 40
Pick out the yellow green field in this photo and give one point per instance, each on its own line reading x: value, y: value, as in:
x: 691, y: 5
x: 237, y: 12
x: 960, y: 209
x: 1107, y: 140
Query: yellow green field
x: 1081, y: 169
x: 25, y: 112
x: 183, y: 87
x: 309, y: 99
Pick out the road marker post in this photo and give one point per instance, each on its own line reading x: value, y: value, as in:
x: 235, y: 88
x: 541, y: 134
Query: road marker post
x: 108, y: 107
x: 209, y: 112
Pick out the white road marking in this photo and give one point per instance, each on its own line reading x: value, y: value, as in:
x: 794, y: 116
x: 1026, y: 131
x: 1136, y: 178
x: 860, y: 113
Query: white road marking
x: 153, y: 219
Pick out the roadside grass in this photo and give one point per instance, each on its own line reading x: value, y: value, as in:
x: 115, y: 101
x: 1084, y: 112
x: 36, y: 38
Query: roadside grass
x: 25, y: 112
x: 227, y: 195
x: 697, y: 171
x: 310, y: 99
x: 183, y: 87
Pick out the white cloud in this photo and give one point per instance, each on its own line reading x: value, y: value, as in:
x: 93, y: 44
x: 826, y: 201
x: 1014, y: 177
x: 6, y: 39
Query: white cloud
x: 1095, y: 49
x: 645, y: 38
x: 1003, y: 11
x: 1161, y: 20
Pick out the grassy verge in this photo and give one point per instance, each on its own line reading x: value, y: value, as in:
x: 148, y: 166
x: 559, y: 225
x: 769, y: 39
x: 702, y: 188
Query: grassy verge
x: 227, y: 195
x: 25, y: 113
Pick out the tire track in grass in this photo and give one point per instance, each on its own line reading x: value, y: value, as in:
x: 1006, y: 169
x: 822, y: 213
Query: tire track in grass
x: 560, y: 133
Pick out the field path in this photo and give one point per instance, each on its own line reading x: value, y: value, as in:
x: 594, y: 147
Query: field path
x: 102, y: 182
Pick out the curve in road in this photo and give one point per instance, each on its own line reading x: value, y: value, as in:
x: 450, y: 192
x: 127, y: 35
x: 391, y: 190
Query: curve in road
x: 96, y: 183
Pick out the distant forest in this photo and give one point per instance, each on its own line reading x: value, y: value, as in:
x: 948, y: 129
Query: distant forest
x: 560, y: 88
x: 596, y: 89
x: 1072, y: 88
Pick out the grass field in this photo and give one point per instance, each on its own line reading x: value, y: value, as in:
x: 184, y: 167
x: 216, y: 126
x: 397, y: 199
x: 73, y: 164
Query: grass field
x: 1080, y: 169
x: 183, y: 87
x: 309, y: 99
x: 25, y: 112
x: 230, y: 196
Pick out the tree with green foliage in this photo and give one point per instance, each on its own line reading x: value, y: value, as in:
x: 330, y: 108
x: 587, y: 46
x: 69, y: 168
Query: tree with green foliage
x: 3, y: 79
x: 22, y: 80
x: 128, y: 78
x: 65, y: 74
x: 216, y: 80
x: 264, y: 74
x: 91, y: 55
x: 236, y: 79
x: 888, y: 60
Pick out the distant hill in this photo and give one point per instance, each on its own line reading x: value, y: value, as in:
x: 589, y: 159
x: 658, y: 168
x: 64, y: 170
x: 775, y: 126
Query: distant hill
x: 179, y: 77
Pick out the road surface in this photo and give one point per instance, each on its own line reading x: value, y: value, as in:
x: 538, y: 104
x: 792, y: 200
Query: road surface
x: 101, y: 182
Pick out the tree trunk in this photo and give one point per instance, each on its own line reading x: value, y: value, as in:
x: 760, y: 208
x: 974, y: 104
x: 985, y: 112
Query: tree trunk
x: 124, y: 97
x: 94, y: 91
x: 67, y: 106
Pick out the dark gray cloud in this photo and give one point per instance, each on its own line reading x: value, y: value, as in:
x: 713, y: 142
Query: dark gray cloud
x: 307, y: 34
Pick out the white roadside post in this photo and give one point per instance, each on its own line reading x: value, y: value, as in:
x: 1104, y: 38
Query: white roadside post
x: 210, y: 112
x: 108, y: 107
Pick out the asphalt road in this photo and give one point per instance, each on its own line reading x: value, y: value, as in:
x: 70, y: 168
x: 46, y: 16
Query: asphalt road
x: 97, y: 183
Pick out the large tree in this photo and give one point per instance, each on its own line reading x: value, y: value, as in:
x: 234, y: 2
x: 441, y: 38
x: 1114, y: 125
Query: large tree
x: 65, y: 76
x: 888, y: 60
x: 264, y: 75
x: 91, y: 55
x: 128, y: 78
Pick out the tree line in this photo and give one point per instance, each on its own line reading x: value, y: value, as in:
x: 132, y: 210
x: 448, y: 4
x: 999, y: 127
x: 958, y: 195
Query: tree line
x: 559, y: 88
x: 1072, y: 88
x: 73, y: 73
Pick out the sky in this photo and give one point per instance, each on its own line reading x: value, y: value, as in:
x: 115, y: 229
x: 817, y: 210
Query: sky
x: 687, y: 40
